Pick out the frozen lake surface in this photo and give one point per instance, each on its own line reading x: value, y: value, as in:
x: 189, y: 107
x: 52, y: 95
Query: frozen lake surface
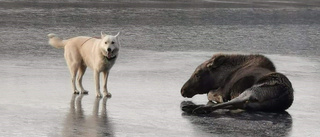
x: 163, y: 42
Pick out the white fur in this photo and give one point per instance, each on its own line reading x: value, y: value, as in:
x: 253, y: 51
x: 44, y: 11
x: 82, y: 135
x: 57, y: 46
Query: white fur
x: 82, y: 52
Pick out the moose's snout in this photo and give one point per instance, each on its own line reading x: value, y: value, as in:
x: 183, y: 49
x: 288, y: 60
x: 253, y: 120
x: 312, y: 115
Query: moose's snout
x: 183, y: 93
x: 186, y: 93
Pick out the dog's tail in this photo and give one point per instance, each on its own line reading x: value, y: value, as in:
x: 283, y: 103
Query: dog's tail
x: 55, y: 41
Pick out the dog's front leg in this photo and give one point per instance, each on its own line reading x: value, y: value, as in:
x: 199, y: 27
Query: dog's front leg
x: 105, y: 78
x: 97, y: 81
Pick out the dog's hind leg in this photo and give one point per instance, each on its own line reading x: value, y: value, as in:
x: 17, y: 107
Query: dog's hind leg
x: 73, y: 59
x: 73, y: 72
x: 81, y: 71
x: 97, y: 81
x: 105, y: 80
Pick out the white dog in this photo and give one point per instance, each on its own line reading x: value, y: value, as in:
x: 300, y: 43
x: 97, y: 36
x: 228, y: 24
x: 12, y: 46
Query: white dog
x: 99, y: 54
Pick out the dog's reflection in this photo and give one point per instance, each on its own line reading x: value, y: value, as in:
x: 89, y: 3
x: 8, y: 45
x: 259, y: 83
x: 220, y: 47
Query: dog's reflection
x: 240, y: 123
x: 78, y: 123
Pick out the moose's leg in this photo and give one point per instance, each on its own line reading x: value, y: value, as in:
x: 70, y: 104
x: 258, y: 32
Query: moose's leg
x: 188, y: 106
x: 215, y: 96
x: 236, y: 103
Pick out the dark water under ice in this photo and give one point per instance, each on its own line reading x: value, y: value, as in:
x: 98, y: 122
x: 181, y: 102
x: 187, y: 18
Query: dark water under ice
x: 162, y: 43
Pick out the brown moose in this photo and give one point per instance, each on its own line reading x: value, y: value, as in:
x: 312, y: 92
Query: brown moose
x: 247, y: 82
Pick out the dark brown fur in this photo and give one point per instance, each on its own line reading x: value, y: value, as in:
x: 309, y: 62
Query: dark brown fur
x: 242, y: 78
x: 245, y: 70
x: 220, y: 70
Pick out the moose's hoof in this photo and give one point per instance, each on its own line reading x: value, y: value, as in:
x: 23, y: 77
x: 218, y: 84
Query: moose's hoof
x: 202, y: 110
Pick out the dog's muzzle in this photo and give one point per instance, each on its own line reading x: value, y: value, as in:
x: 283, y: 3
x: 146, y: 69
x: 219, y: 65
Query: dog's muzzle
x: 111, y: 58
x: 111, y: 54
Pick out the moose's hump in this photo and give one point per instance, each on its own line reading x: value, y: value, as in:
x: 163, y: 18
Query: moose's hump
x: 243, y: 61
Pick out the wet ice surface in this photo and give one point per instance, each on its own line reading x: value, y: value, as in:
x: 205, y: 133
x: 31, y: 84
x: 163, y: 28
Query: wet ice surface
x: 161, y: 48
x: 37, y: 101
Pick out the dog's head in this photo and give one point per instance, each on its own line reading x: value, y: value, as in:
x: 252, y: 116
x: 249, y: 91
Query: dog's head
x: 110, y: 45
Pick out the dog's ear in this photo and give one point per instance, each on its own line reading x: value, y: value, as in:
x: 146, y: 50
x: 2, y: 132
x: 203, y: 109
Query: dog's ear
x: 103, y: 35
x: 117, y: 34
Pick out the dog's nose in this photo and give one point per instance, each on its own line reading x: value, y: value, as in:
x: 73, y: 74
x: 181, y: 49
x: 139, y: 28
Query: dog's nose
x: 109, y: 49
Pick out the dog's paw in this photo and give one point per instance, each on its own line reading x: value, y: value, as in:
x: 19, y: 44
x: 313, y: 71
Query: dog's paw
x: 99, y: 95
x: 108, y: 95
x: 76, y: 92
x: 84, y: 92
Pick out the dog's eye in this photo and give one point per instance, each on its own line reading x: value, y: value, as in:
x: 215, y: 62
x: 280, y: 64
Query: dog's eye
x: 105, y: 42
x: 112, y: 42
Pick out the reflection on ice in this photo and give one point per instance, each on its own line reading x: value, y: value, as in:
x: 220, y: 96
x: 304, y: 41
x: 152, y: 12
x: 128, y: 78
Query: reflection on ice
x: 161, y: 47
x: 241, y: 123
x: 77, y: 123
x: 146, y: 97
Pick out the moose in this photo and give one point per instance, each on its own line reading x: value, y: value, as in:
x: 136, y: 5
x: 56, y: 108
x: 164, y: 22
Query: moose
x: 234, y: 81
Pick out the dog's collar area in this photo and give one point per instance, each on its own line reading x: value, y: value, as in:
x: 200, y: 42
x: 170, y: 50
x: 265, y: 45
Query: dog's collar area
x: 109, y: 59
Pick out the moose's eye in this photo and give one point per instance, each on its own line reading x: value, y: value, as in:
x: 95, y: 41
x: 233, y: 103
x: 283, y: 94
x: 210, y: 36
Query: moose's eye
x: 197, y: 75
x: 112, y: 42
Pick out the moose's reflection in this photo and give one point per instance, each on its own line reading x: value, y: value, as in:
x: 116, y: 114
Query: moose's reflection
x: 78, y: 123
x: 241, y: 123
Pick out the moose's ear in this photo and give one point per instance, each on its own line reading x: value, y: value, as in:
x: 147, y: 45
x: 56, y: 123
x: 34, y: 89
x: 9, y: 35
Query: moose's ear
x: 103, y: 35
x: 216, y: 62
